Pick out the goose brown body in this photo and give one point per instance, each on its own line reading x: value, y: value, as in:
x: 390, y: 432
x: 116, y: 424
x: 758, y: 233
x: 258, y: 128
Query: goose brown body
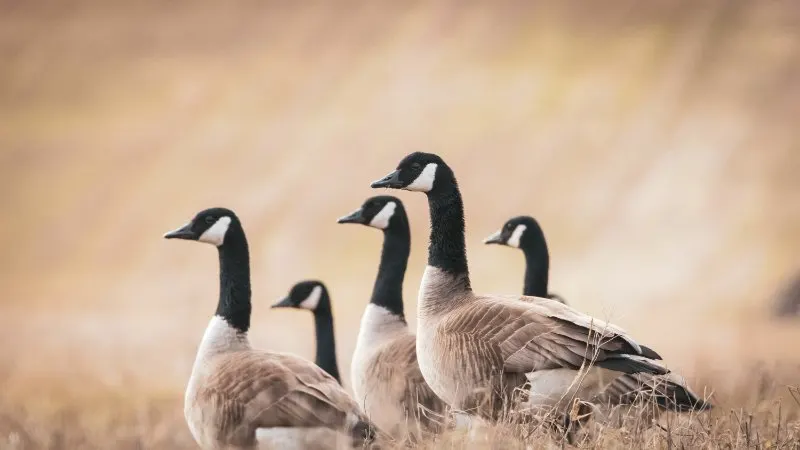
x: 237, y: 395
x: 496, y: 345
x: 387, y: 381
x: 669, y: 391
x: 477, y: 352
x: 233, y: 393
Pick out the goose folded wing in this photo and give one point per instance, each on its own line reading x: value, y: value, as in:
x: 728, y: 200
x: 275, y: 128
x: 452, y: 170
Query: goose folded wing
x: 622, y: 390
x: 541, y: 334
x: 286, y: 391
x: 418, y: 396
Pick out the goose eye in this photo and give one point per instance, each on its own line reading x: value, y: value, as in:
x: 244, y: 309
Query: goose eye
x: 416, y: 166
x: 209, y: 220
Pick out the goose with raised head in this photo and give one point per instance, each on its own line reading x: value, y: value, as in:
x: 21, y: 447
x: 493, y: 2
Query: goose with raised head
x: 524, y: 233
x: 668, y: 392
x: 387, y: 381
x: 237, y: 395
x: 313, y: 296
x: 485, y: 353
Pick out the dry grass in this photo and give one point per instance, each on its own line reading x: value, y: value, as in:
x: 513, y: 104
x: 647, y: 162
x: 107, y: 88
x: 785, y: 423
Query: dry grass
x: 657, y: 144
x: 758, y: 411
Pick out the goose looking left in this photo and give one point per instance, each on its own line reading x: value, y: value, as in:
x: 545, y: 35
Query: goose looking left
x: 387, y: 381
x: 236, y: 392
x: 525, y: 233
x: 312, y: 295
x: 478, y: 352
x: 668, y: 392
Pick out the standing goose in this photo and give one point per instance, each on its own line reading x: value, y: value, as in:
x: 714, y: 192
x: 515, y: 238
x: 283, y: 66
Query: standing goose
x: 386, y: 377
x: 668, y: 391
x: 313, y: 296
x: 236, y: 392
x: 478, y: 352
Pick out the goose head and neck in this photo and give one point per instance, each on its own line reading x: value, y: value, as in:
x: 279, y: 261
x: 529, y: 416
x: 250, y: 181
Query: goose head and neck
x: 221, y: 228
x: 387, y: 213
x: 524, y: 233
x: 313, y: 296
x: 447, y: 272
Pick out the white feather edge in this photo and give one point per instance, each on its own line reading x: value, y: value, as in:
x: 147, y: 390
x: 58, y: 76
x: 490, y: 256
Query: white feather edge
x: 552, y: 308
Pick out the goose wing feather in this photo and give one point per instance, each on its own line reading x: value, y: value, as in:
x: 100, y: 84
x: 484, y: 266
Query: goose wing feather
x: 538, y: 334
x: 397, y: 365
x: 265, y: 389
x: 418, y: 395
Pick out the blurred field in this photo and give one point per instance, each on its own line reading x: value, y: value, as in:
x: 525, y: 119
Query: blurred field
x: 658, y: 146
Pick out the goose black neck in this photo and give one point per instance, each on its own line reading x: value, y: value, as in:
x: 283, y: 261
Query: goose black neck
x: 234, y: 280
x: 388, y: 289
x: 447, y: 249
x: 326, y: 342
x: 537, y: 269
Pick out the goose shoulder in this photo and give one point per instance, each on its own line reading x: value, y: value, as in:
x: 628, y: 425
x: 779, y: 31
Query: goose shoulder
x: 399, y: 362
x: 392, y: 359
x: 265, y: 389
x: 392, y: 374
x: 417, y: 392
x: 536, y: 333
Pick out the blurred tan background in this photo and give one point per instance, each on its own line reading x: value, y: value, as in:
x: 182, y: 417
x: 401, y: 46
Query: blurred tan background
x: 658, y: 146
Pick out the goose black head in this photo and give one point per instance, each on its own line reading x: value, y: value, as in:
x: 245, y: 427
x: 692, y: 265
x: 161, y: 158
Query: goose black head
x: 522, y: 231
x: 420, y: 172
x: 308, y: 294
x: 382, y: 212
x: 210, y: 226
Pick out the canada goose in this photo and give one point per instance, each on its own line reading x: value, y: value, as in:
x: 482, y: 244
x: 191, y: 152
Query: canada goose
x: 477, y: 351
x: 667, y: 391
x: 235, y: 391
x: 387, y: 382
x: 313, y: 296
x: 524, y: 233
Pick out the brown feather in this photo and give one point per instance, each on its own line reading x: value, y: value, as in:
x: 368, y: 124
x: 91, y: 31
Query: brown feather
x: 246, y: 390
x: 403, y: 403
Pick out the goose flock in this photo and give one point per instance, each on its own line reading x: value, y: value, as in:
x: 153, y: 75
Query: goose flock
x: 486, y: 357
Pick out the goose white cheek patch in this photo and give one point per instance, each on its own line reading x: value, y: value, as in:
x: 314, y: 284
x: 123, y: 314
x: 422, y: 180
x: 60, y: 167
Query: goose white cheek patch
x: 216, y: 234
x: 424, y: 182
x: 513, y: 241
x: 312, y: 300
x: 381, y: 220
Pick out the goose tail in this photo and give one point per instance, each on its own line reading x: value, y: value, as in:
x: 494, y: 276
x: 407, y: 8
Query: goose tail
x: 677, y: 397
x: 667, y: 392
